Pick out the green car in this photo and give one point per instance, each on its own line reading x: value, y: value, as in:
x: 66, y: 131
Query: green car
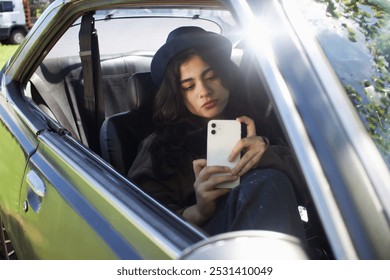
x: 321, y: 73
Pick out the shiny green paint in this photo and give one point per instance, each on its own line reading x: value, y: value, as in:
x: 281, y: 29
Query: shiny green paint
x: 11, y: 173
x: 64, y: 236
x: 127, y: 226
x: 16, y: 144
x: 55, y: 237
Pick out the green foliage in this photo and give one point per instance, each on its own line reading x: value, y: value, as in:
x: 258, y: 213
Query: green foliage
x: 351, y: 34
x: 372, y: 100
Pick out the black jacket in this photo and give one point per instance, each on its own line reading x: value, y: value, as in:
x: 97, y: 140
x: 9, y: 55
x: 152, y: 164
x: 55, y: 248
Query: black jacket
x: 176, y: 191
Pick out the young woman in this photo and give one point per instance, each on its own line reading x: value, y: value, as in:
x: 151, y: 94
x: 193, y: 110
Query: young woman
x: 198, y: 82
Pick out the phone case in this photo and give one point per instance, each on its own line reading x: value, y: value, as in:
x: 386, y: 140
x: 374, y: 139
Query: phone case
x: 222, y: 136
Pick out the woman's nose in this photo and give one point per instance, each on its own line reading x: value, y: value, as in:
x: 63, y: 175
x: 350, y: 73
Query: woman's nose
x: 205, y: 90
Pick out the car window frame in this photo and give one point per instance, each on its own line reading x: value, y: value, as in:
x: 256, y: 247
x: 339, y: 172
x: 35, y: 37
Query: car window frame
x: 33, y: 54
x: 336, y: 190
x: 372, y: 161
x: 369, y: 175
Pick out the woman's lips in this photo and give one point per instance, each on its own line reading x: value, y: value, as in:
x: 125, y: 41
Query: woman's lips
x: 210, y: 104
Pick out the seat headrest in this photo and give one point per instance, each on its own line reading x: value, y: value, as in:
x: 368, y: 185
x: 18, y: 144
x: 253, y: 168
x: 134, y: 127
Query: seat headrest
x: 142, y: 91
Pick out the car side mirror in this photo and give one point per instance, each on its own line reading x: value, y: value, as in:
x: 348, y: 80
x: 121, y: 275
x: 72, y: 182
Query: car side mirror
x: 248, y: 245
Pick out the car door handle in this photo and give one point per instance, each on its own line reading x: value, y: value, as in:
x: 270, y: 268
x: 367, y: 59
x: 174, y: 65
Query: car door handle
x: 36, y: 184
x: 36, y: 191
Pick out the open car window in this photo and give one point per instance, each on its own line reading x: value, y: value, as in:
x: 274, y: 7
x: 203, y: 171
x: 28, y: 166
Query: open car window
x: 143, y: 30
x: 127, y: 41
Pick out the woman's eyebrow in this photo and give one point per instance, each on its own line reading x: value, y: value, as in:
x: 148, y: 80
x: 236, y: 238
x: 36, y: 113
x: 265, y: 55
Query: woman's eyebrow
x: 204, y: 73
x: 186, y: 80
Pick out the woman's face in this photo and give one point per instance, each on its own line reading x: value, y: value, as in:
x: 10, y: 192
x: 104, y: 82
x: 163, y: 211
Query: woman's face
x: 203, y: 92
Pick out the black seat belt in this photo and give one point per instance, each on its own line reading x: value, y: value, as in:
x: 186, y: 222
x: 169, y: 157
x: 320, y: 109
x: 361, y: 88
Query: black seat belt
x: 93, y: 101
x: 56, y: 103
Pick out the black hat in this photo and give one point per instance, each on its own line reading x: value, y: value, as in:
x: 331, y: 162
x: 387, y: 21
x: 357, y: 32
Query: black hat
x: 183, y: 38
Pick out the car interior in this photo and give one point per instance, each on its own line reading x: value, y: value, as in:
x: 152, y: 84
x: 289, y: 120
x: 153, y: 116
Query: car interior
x: 122, y: 116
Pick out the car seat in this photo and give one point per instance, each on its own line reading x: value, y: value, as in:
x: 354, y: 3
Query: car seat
x: 121, y: 133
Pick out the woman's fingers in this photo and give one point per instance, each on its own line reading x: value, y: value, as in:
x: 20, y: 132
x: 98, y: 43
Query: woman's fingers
x: 243, y: 144
x: 250, y: 125
x: 207, y: 196
x: 254, y: 148
x: 247, y: 162
x: 211, y: 176
x: 205, y: 187
x: 201, y: 168
x: 198, y: 165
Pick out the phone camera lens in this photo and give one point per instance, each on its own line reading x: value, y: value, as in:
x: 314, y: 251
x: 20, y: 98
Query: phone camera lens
x: 213, y: 132
x: 213, y: 125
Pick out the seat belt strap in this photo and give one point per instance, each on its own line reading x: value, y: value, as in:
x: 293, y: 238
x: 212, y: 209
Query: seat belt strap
x: 76, y: 112
x: 88, y: 107
x: 93, y: 102
x: 64, y: 118
x: 97, y: 80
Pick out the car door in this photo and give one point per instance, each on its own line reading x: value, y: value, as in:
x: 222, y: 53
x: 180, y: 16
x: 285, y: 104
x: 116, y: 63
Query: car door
x: 57, y: 221
x: 74, y: 206
x: 17, y: 143
x: 70, y: 205
x: 24, y: 188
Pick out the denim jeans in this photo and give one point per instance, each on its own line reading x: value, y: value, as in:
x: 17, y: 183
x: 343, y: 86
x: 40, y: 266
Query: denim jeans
x: 264, y: 200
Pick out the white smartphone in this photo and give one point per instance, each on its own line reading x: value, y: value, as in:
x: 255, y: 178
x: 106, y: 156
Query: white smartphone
x: 222, y: 136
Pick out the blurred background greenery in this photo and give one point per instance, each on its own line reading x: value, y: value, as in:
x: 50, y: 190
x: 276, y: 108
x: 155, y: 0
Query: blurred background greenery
x: 6, y: 52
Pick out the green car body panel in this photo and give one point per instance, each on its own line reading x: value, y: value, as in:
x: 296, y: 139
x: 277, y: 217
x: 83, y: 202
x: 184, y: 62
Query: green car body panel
x: 16, y: 144
x: 80, y: 198
x: 65, y: 211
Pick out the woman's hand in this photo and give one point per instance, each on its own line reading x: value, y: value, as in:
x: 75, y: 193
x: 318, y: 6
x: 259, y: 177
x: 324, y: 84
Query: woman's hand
x: 206, y: 193
x: 252, y: 147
